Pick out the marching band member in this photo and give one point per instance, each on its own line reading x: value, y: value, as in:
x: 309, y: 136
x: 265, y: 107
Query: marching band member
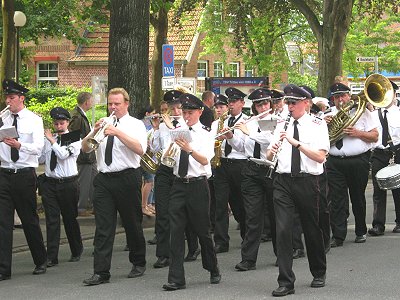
x: 190, y: 197
x: 386, y: 148
x: 348, y: 169
x: 228, y: 178
x: 60, y: 188
x: 163, y: 182
x: 117, y: 187
x: 19, y: 158
x: 256, y: 188
x: 300, y: 160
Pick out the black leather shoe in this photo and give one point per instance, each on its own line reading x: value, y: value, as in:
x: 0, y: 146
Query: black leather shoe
x: 318, y: 282
x: 96, y: 279
x: 265, y: 238
x: 161, y: 262
x: 221, y: 249
x: 282, y: 291
x: 136, y: 271
x: 4, y: 277
x: 52, y: 263
x: 76, y: 258
x: 336, y: 243
x: 215, y: 277
x: 245, y: 265
x: 192, y: 256
x: 172, y: 286
x: 360, y: 239
x: 396, y: 228
x: 376, y: 231
x: 153, y: 241
x: 297, y: 253
x: 39, y: 270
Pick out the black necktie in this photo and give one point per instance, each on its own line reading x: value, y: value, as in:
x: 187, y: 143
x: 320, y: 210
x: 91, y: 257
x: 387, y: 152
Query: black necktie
x: 109, y: 147
x: 228, y: 148
x: 175, y: 122
x: 14, y: 151
x: 295, y: 151
x: 53, y: 157
x: 257, y: 148
x: 339, y: 144
x: 183, y: 163
x: 385, y: 129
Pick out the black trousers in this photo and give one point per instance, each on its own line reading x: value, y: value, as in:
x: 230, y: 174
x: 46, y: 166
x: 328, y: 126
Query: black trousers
x: 347, y: 176
x: 120, y: 191
x: 379, y: 160
x: 227, y: 185
x: 257, y: 193
x: 304, y: 194
x: 61, y: 198
x: 18, y: 191
x: 162, y: 188
x: 189, y: 204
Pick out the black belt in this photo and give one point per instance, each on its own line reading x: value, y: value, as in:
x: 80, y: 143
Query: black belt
x: 232, y: 160
x: 17, y: 171
x: 388, y: 150
x: 252, y: 163
x: 348, y: 157
x: 118, y: 173
x: 300, y: 175
x: 61, y: 180
x: 190, y: 179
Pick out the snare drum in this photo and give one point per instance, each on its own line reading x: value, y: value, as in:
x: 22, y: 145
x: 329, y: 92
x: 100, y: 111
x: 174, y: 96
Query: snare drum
x: 388, y: 178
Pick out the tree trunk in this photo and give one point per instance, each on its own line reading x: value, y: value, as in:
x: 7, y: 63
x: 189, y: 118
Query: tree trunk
x: 7, y: 58
x: 160, y: 24
x: 128, y: 60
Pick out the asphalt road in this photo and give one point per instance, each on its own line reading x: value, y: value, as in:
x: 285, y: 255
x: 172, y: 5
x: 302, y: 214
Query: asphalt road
x: 355, y: 271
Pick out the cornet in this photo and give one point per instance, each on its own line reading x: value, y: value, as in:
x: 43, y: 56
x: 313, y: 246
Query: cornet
x: 94, y: 142
x: 5, y: 113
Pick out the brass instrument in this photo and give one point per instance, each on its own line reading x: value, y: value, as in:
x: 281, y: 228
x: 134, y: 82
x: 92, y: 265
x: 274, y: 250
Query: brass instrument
x: 216, y: 160
x: 5, y: 113
x: 151, y: 161
x: 94, y: 142
x: 377, y: 90
x: 171, y: 155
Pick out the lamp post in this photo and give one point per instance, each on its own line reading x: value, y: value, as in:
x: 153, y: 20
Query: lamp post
x: 19, y: 21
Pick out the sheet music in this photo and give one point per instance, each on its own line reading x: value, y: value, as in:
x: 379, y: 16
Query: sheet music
x: 180, y: 133
x: 267, y: 125
x: 8, y: 131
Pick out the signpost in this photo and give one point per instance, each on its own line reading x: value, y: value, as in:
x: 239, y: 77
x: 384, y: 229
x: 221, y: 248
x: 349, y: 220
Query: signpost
x: 369, y: 59
x: 168, y: 60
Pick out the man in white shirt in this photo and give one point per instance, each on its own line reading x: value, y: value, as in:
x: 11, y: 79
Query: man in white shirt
x: 19, y: 158
x: 60, y: 187
x: 117, y: 187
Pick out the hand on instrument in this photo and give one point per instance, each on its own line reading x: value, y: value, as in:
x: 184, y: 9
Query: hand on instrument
x: 242, y: 127
x: 49, y: 136
x: 328, y: 119
x: 111, y: 130
x: 351, y: 131
x: 184, y: 145
x: 227, y: 135
x: 13, y: 143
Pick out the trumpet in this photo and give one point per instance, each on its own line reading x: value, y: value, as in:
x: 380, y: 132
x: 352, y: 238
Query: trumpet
x: 94, y: 142
x: 5, y: 113
x: 245, y: 122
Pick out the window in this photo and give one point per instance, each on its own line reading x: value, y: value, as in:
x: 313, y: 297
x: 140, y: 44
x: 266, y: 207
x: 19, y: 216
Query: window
x: 47, y: 73
x: 218, y: 69
x: 234, y: 69
x: 202, y: 69
x: 248, y: 71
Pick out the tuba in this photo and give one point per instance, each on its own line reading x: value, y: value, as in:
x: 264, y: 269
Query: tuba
x: 377, y: 90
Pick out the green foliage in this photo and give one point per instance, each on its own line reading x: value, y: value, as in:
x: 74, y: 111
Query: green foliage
x: 42, y: 100
x: 311, y: 81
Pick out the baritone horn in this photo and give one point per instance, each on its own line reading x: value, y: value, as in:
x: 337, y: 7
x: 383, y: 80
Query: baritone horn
x: 94, y: 142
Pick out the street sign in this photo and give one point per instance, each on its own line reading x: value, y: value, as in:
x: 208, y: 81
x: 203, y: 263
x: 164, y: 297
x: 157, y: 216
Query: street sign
x: 168, y: 83
x: 168, y: 60
x: 367, y: 59
x: 187, y: 82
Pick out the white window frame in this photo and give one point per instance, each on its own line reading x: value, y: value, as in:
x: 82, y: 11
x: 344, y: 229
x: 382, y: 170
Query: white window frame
x: 206, y: 69
x: 247, y: 70
x: 49, y: 78
x: 219, y: 70
x: 237, y: 64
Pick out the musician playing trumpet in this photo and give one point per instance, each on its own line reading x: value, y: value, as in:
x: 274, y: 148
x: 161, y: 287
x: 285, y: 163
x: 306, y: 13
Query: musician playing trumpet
x: 386, y: 148
x: 300, y: 157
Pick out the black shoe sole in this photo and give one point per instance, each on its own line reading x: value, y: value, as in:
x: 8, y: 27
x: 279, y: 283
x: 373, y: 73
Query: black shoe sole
x: 96, y: 283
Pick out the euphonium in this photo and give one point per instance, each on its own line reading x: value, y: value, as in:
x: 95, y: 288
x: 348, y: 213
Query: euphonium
x: 94, y: 142
x: 151, y: 161
x: 216, y: 160
x: 377, y: 90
